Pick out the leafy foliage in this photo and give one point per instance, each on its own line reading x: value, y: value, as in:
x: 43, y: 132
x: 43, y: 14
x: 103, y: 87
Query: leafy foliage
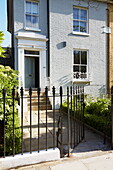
x: 100, y: 107
x: 96, y: 114
x: 8, y: 80
x: 1, y: 39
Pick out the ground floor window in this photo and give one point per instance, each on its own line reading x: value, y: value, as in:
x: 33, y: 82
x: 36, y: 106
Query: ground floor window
x: 80, y: 64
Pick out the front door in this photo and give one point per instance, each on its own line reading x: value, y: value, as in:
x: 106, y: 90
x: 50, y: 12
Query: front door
x: 29, y: 72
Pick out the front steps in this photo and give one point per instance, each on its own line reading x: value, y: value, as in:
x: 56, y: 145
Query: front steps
x: 42, y: 101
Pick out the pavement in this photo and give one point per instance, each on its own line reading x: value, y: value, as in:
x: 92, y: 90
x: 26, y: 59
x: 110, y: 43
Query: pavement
x: 91, y: 154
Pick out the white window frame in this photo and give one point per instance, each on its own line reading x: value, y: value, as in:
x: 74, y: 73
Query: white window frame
x: 25, y: 26
x: 79, y: 74
x: 87, y: 22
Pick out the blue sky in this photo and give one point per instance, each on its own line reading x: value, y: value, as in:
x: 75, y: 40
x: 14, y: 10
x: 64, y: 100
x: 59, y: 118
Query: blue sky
x: 3, y: 23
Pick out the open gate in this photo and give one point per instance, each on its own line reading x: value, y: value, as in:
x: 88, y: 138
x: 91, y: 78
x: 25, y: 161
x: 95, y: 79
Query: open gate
x: 71, y: 120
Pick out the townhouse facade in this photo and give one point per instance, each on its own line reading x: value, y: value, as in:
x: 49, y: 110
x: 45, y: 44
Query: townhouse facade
x: 62, y: 43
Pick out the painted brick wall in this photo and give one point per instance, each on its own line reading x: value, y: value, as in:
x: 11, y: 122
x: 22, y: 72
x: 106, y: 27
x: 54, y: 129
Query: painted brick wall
x: 61, y: 59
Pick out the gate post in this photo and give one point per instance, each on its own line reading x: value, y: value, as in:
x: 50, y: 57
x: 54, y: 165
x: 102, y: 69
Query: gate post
x: 68, y: 122
x: 112, y: 115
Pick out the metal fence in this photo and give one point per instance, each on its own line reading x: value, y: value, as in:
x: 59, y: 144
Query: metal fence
x: 42, y: 124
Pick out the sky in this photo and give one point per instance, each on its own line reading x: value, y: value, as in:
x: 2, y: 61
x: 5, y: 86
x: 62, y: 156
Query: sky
x: 3, y: 23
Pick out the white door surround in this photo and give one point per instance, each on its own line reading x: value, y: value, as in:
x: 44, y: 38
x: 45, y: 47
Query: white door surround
x: 34, y: 43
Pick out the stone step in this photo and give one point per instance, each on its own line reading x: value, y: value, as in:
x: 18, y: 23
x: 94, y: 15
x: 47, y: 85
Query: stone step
x: 42, y: 107
x: 35, y: 103
x: 35, y: 99
x: 35, y: 93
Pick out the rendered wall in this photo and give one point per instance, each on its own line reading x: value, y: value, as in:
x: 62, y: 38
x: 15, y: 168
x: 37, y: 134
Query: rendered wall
x: 61, y: 58
x: 21, y: 43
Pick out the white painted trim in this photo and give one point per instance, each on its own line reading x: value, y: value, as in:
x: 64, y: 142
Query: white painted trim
x: 80, y: 33
x: 29, y: 159
x: 81, y: 81
x: 32, y: 29
x: 32, y: 48
x: 31, y: 38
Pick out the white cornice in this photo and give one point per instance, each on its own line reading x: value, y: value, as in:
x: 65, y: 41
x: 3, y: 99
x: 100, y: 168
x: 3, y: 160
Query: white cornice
x: 31, y: 36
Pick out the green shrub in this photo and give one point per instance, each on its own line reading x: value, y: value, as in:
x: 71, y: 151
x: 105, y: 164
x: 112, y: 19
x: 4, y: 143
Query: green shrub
x: 8, y: 80
x: 99, y: 107
x: 96, y: 114
x: 98, y: 122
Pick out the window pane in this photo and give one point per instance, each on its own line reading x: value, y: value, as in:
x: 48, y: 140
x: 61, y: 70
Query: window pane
x: 34, y: 21
x: 76, y: 57
x: 83, y: 69
x: 75, y: 68
x: 76, y: 26
x: 75, y: 13
x: 35, y: 8
x: 83, y: 57
x: 28, y: 21
x: 83, y: 14
x: 82, y: 26
x: 28, y: 7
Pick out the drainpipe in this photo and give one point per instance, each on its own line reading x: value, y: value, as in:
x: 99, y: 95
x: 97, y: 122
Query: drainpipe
x: 108, y: 54
x: 12, y: 34
x: 48, y: 34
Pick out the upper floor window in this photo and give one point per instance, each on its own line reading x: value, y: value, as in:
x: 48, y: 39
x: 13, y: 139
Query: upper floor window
x: 32, y: 14
x: 80, y: 64
x: 80, y: 19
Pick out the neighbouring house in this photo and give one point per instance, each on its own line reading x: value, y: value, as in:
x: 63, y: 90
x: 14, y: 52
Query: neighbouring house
x: 62, y: 43
x: 110, y: 48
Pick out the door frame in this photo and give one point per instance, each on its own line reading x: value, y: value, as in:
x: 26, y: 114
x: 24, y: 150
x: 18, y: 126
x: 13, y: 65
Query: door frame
x: 39, y: 63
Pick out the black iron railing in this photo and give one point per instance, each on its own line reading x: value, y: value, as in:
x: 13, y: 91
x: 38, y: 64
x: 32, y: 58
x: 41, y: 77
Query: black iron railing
x: 42, y: 125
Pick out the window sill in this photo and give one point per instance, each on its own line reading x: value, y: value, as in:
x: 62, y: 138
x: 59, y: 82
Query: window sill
x: 80, y: 33
x: 84, y: 81
x: 32, y: 29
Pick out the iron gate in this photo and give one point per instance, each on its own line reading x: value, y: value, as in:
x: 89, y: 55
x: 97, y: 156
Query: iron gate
x: 46, y: 120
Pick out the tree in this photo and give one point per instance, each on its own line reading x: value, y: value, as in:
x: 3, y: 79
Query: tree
x: 8, y: 81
